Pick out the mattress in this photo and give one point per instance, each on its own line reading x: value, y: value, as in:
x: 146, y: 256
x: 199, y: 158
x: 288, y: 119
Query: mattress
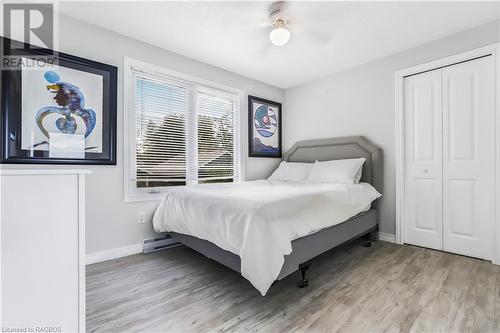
x: 258, y: 220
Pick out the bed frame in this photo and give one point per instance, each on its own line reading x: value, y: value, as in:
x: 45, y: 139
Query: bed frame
x: 306, y: 249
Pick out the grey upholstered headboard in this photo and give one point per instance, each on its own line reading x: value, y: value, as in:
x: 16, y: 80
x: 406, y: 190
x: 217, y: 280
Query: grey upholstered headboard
x: 341, y: 148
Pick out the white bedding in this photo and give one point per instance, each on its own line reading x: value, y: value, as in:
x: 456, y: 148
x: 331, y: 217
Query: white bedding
x: 258, y: 220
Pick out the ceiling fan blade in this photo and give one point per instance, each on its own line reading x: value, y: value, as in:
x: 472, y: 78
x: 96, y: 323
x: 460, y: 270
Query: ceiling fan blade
x: 322, y: 37
x: 263, y: 24
x: 312, y: 33
x: 278, y: 7
x: 262, y: 44
x: 263, y: 51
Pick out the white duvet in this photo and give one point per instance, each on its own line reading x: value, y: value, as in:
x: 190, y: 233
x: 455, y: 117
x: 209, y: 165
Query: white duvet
x: 258, y: 220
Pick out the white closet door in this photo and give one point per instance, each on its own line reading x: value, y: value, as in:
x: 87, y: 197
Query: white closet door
x: 423, y: 160
x: 468, y: 157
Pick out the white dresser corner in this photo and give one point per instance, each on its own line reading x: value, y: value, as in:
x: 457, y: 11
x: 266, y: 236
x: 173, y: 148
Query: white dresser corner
x: 42, y: 242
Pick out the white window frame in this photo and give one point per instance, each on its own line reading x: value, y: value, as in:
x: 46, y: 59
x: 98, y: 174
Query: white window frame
x: 132, y: 194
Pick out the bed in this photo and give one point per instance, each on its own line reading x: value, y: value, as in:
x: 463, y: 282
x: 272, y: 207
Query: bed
x: 269, y: 254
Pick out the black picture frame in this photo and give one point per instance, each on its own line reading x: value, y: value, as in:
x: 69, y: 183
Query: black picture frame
x: 251, y: 128
x: 11, y: 107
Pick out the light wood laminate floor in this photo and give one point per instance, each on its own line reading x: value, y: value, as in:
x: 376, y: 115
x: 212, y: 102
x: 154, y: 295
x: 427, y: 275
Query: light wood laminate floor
x: 385, y: 288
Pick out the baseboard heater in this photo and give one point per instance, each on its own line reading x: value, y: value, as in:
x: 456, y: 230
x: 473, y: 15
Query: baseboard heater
x: 159, y: 243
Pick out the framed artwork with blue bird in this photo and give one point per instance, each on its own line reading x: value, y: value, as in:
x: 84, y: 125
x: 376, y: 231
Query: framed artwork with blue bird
x: 61, y: 110
x: 264, y: 128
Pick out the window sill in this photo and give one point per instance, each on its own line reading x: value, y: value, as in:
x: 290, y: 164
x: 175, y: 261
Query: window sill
x: 142, y: 197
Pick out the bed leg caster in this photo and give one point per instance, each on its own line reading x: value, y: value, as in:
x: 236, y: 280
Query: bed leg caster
x: 304, y: 282
x: 368, y: 240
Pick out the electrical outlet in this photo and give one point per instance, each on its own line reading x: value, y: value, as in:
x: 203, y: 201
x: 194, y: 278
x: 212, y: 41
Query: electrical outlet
x: 141, y: 217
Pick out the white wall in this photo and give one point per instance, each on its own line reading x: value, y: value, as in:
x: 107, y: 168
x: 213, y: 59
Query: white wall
x: 360, y: 101
x: 111, y: 223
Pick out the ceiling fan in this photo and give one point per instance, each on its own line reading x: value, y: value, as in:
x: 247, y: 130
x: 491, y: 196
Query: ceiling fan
x: 280, y: 20
x: 286, y: 20
x: 280, y: 34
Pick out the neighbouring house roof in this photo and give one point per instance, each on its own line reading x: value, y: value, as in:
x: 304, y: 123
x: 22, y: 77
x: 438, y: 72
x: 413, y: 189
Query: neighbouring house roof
x: 175, y: 166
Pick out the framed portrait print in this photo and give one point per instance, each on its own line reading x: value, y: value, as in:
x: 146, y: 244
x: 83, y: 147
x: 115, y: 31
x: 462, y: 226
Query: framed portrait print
x: 57, y: 108
x: 264, y: 128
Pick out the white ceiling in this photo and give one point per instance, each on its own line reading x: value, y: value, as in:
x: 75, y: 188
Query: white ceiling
x: 326, y: 36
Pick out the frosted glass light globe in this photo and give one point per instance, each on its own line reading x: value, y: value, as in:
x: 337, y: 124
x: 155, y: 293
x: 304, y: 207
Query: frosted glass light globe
x: 279, y: 36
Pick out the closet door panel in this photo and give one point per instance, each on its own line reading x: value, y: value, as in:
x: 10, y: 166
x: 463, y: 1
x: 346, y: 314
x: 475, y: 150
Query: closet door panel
x: 423, y: 160
x: 468, y: 157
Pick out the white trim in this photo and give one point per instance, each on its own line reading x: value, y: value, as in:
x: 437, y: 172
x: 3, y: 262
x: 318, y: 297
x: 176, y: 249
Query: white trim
x: 399, y: 123
x: 125, y: 251
x: 390, y: 238
x: 128, y: 101
x: 496, y: 240
x: 119, y: 252
x: 174, y: 75
x: 81, y: 253
x: 24, y: 172
x: 494, y: 50
x: 447, y: 61
x: 1, y: 247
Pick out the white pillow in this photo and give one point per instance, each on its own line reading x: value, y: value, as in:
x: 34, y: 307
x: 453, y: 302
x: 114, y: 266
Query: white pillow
x: 292, y: 172
x: 357, y: 178
x: 337, y: 171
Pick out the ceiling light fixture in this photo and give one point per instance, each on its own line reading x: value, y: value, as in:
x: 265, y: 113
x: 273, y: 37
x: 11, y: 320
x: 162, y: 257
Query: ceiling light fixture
x: 280, y: 35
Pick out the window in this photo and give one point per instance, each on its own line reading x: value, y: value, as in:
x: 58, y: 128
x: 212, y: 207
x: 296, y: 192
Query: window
x: 180, y: 132
x: 216, y: 137
x: 160, y: 143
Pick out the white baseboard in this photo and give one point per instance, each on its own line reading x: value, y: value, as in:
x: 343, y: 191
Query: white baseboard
x: 387, y: 237
x: 96, y: 257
